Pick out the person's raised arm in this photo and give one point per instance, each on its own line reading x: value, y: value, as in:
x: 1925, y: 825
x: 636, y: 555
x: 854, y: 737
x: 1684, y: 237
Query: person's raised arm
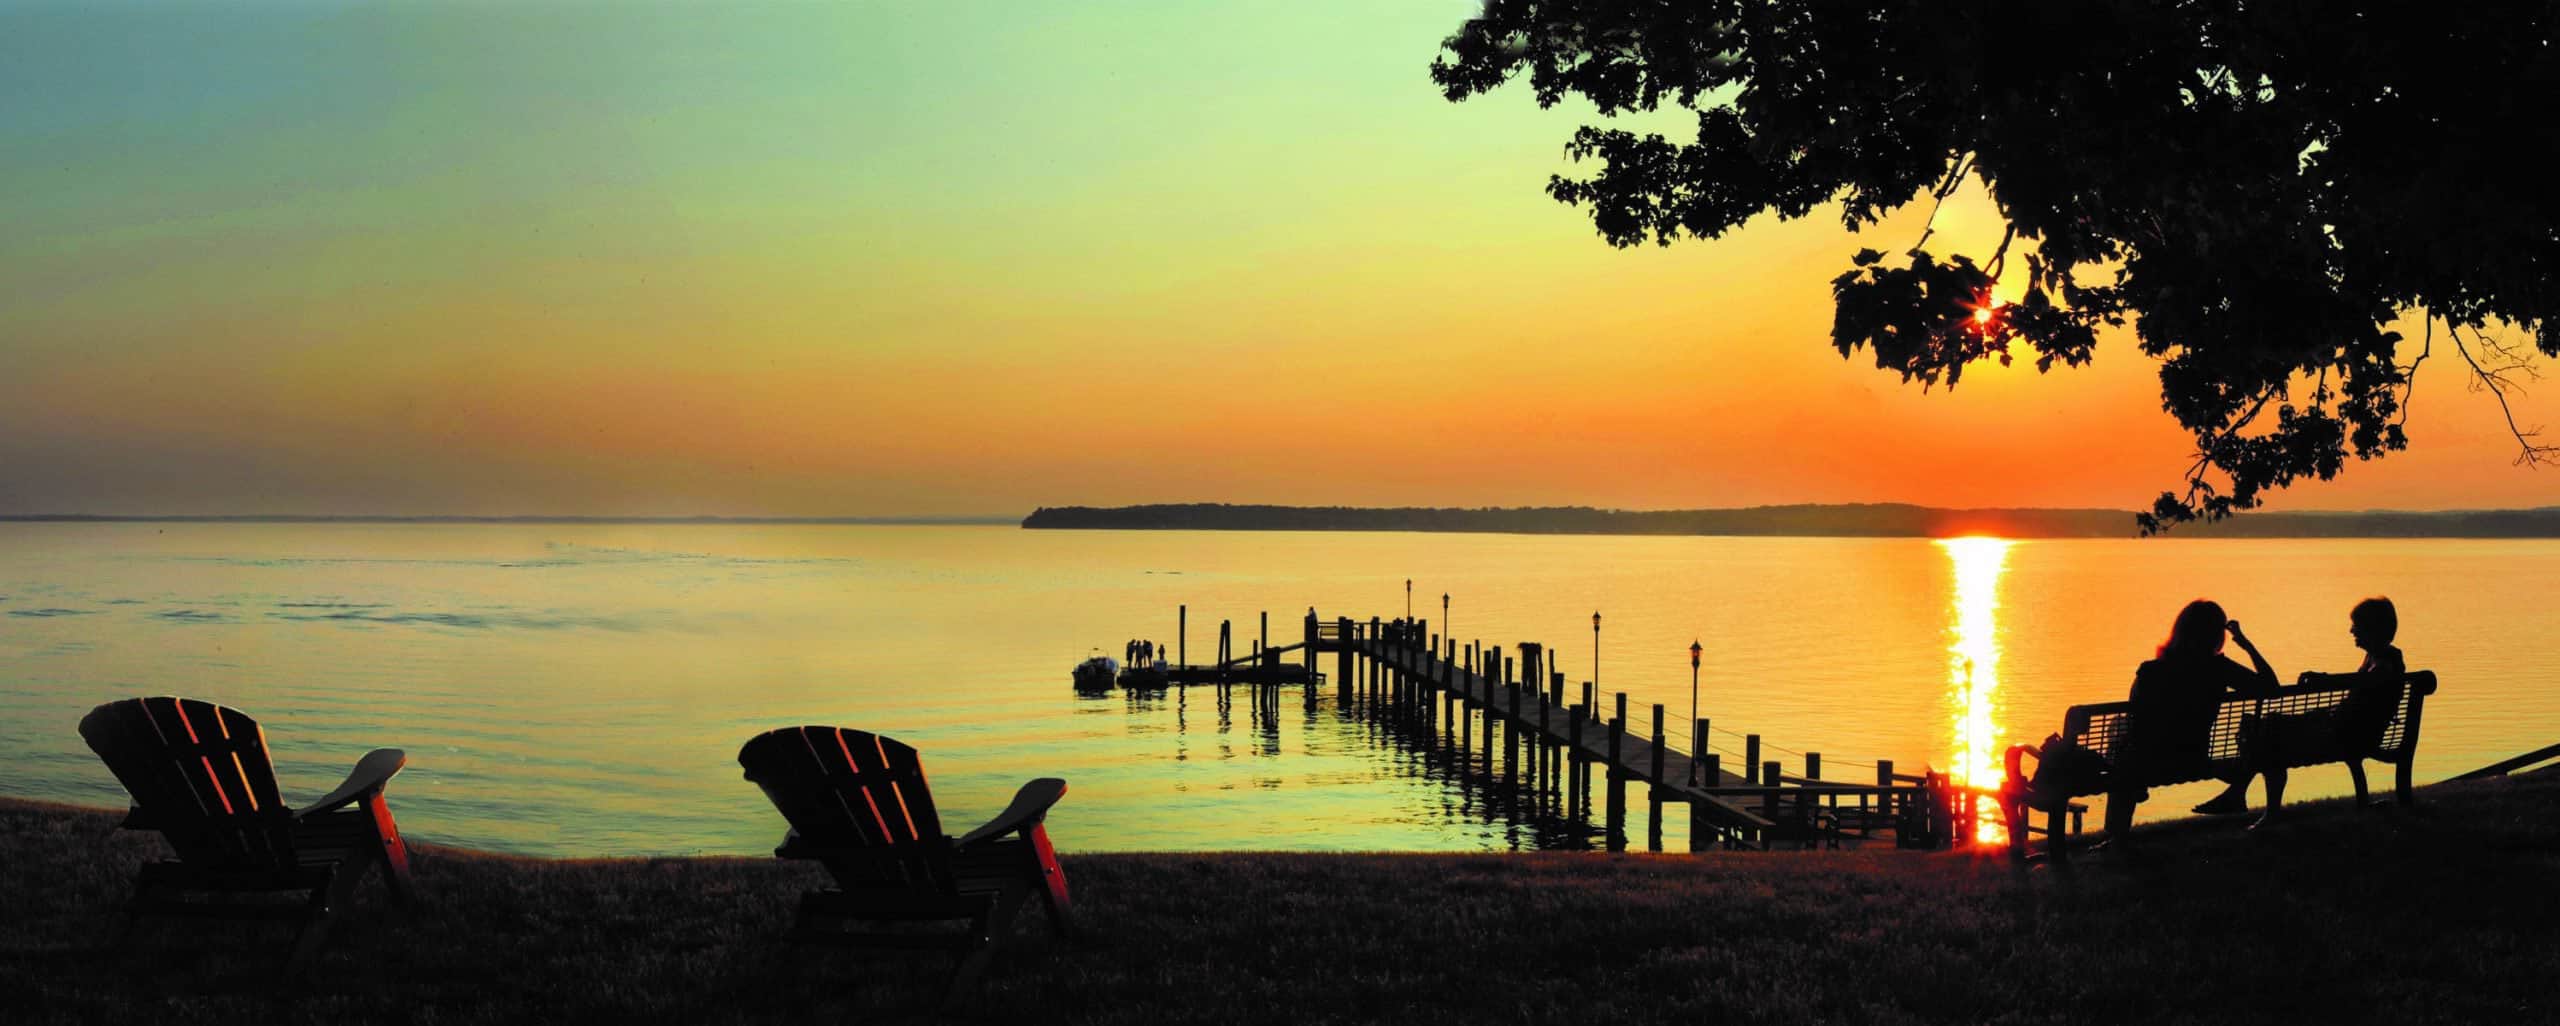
x: 2258, y: 668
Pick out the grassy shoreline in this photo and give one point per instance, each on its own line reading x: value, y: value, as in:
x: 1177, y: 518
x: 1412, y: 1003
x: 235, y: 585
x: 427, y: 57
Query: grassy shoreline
x: 2447, y: 912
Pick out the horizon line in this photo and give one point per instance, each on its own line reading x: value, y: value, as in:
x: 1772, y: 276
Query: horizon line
x: 1013, y: 518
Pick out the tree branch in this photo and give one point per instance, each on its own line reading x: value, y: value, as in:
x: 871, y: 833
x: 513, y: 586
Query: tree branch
x: 1938, y: 197
x: 2409, y: 374
x: 2496, y: 380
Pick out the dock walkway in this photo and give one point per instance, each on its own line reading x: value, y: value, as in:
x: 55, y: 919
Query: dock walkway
x: 1511, y: 709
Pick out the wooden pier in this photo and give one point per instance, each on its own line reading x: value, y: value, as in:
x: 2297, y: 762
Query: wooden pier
x: 1509, y: 713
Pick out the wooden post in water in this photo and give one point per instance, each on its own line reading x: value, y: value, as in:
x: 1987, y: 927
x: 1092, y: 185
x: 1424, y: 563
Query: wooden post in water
x: 1813, y: 772
x: 1769, y: 777
x: 1511, y: 723
x: 1546, y: 745
x: 1374, y: 637
x: 1532, y: 668
x: 1408, y: 682
x: 1310, y: 655
x: 1617, y: 783
x: 1465, y: 733
x: 1449, y: 704
x: 1751, y: 761
x: 1418, y: 682
x: 1573, y: 795
x: 1342, y: 660
x: 1884, y: 797
x: 1396, y: 681
x: 1702, y: 835
x: 1700, y: 742
x: 1182, y: 634
x: 1653, y: 789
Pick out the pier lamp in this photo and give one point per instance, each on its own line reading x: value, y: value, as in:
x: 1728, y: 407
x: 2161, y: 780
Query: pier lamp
x: 1444, y: 618
x: 1408, y: 598
x: 1697, y: 745
x: 1595, y: 648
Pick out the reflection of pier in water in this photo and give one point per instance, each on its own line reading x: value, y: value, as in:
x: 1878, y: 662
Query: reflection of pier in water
x: 1497, y: 724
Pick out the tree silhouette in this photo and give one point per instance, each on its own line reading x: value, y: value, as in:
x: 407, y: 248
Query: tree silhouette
x: 2263, y: 189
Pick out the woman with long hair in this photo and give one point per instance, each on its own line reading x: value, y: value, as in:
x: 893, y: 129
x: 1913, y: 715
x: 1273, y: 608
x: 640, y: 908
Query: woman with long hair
x: 2169, y: 729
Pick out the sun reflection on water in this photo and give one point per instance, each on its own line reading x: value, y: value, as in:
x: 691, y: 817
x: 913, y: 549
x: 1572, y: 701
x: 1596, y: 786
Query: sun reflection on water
x: 1973, y: 661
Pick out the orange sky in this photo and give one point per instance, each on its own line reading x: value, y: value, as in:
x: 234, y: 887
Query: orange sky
x: 794, y: 261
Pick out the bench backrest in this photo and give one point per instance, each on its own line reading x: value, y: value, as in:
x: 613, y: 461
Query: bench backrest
x: 2100, y: 727
x: 199, y: 773
x: 857, y: 802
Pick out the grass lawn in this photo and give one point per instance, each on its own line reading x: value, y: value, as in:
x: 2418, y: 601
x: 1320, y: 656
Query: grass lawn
x: 2448, y: 912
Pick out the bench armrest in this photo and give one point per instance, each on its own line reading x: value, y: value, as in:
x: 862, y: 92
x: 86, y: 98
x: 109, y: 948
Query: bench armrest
x: 370, y: 775
x: 1030, y: 806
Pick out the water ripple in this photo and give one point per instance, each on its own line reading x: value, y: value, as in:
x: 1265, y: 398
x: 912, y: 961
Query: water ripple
x: 544, y: 621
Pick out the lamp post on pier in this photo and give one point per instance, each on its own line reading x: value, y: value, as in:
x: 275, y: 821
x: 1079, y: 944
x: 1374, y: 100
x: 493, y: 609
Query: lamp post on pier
x: 1595, y: 649
x: 1444, y: 619
x: 1408, y: 600
x: 1697, y: 745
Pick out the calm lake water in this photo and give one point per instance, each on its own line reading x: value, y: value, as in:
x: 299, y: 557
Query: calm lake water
x: 583, y: 690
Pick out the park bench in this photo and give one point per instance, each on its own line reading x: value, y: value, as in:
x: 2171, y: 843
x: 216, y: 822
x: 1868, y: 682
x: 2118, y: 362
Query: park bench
x: 2091, y: 734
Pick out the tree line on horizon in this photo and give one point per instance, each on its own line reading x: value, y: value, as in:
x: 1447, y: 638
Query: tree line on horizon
x: 1880, y: 520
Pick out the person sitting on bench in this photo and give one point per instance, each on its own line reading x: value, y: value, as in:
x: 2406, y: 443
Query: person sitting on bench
x: 2368, y: 710
x: 2174, y: 701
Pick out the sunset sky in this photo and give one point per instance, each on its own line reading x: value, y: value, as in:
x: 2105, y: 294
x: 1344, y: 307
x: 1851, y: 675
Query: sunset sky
x: 927, y: 258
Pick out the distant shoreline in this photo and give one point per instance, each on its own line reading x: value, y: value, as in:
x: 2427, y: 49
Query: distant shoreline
x: 1846, y: 520
x: 1863, y: 520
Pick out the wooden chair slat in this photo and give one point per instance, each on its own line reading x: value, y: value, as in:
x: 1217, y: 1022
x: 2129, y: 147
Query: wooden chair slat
x: 199, y: 837
x: 168, y: 733
x: 250, y: 760
x: 845, y: 779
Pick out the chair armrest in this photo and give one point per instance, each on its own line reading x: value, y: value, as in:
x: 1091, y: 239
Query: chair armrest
x: 371, y: 775
x: 1030, y: 805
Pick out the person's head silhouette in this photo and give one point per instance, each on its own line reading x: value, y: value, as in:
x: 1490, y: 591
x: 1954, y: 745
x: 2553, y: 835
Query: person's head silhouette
x: 2197, y: 632
x: 2374, y: 621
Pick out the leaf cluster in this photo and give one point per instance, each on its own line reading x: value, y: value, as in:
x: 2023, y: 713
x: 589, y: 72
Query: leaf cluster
x: 2263, y: 190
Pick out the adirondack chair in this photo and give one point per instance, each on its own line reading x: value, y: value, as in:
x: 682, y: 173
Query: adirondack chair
x: 200, y: 775
x: 859, y: 805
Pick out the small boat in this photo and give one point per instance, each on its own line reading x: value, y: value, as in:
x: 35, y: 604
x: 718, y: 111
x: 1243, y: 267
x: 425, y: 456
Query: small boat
x: 1097, y: 673
x: 1146, y: 677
